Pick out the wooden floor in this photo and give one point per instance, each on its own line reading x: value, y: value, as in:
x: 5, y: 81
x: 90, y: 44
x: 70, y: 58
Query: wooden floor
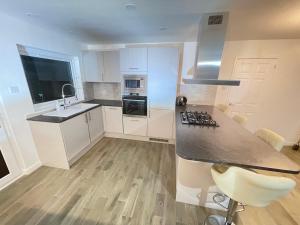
x: 122, y: 182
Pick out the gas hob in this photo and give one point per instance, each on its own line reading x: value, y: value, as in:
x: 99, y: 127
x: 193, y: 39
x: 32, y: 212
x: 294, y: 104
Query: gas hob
x: 198, y: 118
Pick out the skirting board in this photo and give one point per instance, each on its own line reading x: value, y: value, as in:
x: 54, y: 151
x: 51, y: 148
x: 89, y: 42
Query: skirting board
x: 25, y: 172
x: 137, y: 138
x: 12, y: 181
x: 32, y: 168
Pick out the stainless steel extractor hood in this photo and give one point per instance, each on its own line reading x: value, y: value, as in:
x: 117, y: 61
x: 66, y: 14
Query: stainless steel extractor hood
x: 211, y: 38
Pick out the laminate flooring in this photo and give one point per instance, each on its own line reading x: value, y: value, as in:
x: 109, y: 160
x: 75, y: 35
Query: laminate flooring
x: 122, y: 182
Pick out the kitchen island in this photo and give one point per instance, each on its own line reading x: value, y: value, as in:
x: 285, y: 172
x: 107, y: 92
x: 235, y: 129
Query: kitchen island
x: 198, y: 147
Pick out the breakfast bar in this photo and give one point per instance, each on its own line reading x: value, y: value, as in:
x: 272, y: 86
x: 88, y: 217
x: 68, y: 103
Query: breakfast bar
x: 198, y: 147
x: 229, y: 144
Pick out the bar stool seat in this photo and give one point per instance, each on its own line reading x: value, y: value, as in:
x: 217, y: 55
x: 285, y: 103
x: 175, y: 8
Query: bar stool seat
x: 271, y: 138
x: 246, y: 187
x: 240, y: 119
x: 223, y: 108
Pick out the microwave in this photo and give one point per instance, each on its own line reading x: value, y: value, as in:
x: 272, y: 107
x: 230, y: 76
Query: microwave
x: 134, y: 85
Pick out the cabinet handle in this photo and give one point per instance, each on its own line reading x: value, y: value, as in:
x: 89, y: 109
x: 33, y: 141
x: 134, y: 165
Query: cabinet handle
x: 86, y: 118
x: 134, y: 120
x: 133, y: 100
x: 113, y: 108
x: 133, y: 68
x: 90, y: 117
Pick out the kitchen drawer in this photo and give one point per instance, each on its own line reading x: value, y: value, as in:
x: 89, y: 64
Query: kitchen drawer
x: 135, y: 125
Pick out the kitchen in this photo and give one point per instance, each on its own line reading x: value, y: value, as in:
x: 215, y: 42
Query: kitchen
x: 120, y: 136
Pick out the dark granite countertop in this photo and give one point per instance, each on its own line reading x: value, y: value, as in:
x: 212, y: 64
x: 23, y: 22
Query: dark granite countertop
x: 105, y: 102
x: 56, y: 119
x: 229, y: 144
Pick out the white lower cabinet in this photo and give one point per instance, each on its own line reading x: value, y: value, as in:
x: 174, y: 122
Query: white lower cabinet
x: 135, y: 125
x: 61, y: 144
x: 95, y: 123
x: 113, y: 119
x: 75, y: 134
x: 161, y: 123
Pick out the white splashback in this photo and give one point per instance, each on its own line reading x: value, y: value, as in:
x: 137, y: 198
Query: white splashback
x: 107, y: 91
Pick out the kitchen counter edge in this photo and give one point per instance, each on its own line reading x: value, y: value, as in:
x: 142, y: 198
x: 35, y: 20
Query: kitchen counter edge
x: 56, y: 119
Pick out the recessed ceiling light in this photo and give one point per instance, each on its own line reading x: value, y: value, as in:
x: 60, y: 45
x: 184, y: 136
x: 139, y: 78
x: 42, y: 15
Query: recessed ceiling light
x: 163, y: 28
x: 130, y: 6
x: 30, y: 14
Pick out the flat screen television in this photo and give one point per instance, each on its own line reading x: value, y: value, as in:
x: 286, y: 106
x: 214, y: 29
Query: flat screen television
x: 45, y: 78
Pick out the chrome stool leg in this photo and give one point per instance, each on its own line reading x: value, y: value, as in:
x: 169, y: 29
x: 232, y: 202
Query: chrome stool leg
x: 232, y: 207
x: 221, y: 220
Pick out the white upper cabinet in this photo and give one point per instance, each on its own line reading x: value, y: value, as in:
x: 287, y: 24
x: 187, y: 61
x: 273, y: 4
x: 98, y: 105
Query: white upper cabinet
x: 101, y: 66
x: 162, y: 77
x: 133, y: 60
x: 93, y: 66
x: 111, y: 62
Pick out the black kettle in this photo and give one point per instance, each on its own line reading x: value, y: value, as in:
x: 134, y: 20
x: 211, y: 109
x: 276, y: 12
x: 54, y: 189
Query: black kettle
x: 181, y: 101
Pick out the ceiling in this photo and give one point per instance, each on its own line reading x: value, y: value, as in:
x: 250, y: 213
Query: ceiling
x: 109, y: 21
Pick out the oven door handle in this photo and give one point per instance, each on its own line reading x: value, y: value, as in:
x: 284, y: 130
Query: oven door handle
x: 133, y: 100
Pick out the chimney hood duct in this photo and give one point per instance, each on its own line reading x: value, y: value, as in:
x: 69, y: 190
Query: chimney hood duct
x: 211, y: 38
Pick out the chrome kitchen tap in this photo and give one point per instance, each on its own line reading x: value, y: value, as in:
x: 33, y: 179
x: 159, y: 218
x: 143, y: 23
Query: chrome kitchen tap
x: 63, y: 94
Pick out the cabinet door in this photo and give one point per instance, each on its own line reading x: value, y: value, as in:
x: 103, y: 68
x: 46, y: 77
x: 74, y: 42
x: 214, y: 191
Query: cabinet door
x: 93, y: 66
x: 124, y: 59
x: 135, y: 125
x: 75, y: 133
x: 162, y: 77
x: 113, y: 119
x: 161, y: 123
x: 111, y: 62
x: 95, y: 123
x: 133, y: 60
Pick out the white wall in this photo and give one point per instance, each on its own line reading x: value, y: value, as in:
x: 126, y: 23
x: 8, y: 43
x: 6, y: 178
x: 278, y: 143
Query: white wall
x: 18, y: 105
x: 280, y: 111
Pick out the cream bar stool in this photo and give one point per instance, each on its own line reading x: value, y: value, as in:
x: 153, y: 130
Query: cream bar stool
x: 240, y: 119
x: 223, y: 108
x: 246, y: 187
x: 271, y: 138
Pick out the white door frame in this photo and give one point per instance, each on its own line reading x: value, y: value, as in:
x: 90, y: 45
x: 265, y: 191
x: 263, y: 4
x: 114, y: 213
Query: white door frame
x: 7, y: 151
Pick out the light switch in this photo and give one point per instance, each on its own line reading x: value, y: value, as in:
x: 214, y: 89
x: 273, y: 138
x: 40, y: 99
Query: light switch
x: 14, y: 90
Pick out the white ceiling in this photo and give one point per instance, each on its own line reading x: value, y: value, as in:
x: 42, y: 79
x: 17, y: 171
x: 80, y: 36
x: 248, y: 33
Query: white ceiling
x: 109, y: 21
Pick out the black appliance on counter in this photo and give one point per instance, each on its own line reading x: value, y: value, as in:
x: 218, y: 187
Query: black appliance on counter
x: 134, y: 105
x: 181, y: 100
x: 198, y: 118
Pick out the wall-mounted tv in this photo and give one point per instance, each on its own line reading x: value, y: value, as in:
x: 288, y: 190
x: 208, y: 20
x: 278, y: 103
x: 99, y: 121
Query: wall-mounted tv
x: 45, y: 78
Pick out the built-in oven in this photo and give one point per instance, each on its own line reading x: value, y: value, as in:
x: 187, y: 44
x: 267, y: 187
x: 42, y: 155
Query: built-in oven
x: 134, y: 84
x: 134, y: 105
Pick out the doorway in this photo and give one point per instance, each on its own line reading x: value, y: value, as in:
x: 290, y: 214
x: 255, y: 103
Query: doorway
x: 9, y: 169
x: 254, y: 73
